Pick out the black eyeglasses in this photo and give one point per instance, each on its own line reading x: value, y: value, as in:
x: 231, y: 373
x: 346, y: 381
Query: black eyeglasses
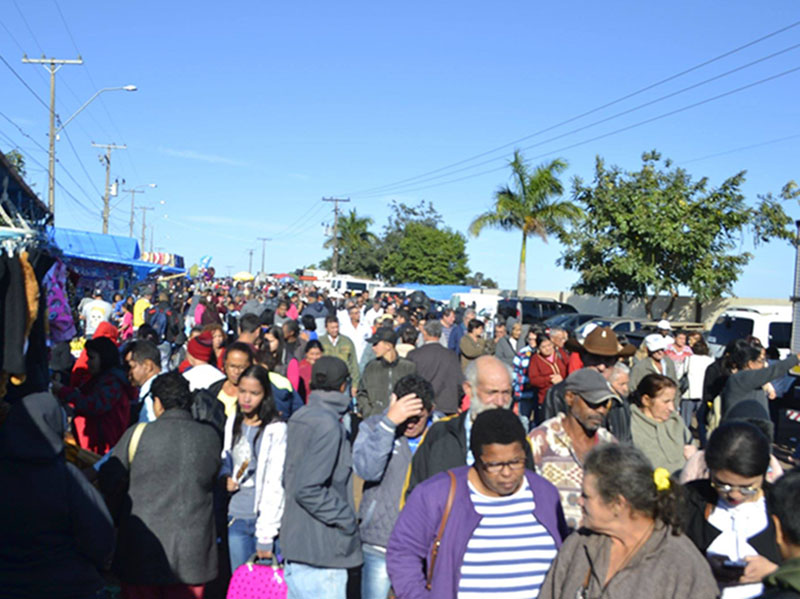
x: 497, y: 467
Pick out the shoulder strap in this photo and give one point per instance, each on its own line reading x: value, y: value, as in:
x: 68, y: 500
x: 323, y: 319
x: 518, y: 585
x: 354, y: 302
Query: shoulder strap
x: 438, y: 541
x: 133, y: 445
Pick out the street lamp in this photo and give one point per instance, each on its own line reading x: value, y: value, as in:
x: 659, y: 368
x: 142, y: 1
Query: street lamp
x: 133, y: 191
x: 51, y: 170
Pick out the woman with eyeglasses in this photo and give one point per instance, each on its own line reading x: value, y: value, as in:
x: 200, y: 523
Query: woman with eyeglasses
x: 487, y: 530
x: 727, y: 516
x: 631, y: 543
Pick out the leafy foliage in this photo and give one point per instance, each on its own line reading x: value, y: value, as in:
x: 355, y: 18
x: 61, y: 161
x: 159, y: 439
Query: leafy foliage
x: 427, y: 255
x: 480, y: 280
x: 649, y: 232
x: 414, y: 247
x: 529, y: 206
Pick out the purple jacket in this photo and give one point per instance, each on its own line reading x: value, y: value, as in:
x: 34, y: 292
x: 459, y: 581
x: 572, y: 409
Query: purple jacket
x: 413, y: 535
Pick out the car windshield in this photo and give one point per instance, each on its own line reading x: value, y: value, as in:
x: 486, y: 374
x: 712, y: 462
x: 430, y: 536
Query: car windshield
x: 600, y: 322
x: 556, y: 320
x: 730, y: 328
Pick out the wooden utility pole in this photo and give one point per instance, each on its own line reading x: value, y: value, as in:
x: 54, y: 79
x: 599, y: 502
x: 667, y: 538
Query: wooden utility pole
x: 52, y: 65
x: 107, y: 160
x: 336, y: 201
x: 144, y: 210
x: 263, y: 241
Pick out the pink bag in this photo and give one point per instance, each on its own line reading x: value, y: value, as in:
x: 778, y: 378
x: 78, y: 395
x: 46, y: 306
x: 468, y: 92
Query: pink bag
x: 258, y: 581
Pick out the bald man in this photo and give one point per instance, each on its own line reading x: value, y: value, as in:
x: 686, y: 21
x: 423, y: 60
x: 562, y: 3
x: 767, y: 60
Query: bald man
x: 446, y: 444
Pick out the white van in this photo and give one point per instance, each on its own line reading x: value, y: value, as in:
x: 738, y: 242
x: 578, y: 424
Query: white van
x: 772, y: 325
x: 485, y: 304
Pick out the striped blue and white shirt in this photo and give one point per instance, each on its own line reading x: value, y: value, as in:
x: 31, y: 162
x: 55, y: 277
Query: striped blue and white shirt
x: 509, y: 552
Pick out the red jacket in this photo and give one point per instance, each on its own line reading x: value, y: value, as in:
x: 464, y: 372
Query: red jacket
x: 102, y: 408
x: 540, y: 370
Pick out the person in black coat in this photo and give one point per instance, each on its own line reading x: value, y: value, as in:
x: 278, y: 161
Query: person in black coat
x: 727, y: 516
x: 440, y: 367
x: 784, y: 583
x: 167, y: 534
x: 55, y: 530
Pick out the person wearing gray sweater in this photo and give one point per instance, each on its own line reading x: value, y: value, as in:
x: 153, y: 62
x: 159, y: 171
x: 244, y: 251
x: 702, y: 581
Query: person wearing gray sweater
x: 381, y: 456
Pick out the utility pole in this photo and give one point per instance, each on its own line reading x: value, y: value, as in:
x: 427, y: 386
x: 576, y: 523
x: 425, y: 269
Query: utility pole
x: 133, y: 193
x: 144, y: 210
x: 152, y: 235
x: 53, y: 65
x: 335, y: 261
x: 263, y: 241
x: 250, y: 269
x: 107, y: 161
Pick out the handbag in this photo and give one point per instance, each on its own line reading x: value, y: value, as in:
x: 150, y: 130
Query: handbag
x: 438, y: 541
x: 253, y: 580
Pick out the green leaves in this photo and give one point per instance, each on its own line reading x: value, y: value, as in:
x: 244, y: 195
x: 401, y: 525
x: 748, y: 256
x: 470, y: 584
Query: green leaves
x: 654, y: 230
x: 528, y: 206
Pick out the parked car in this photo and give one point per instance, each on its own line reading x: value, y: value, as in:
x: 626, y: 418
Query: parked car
x: 772, y: 325
x: 619, y: 324
x: 569, y: 322
x: 532, y: 310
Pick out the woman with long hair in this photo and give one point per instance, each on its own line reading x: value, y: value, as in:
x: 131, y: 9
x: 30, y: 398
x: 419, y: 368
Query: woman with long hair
x: 217, y: 343
x: 253, y: 454
x: 727, y: 516
x: 313, y: 352
x: 102, y: 404
x: 631, y: 543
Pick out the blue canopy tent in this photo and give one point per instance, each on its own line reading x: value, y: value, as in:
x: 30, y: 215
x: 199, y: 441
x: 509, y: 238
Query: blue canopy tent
x: 108, y: 249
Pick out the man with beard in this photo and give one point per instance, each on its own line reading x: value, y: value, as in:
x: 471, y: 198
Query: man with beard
x: 446, y: 443
x: 560, y: 443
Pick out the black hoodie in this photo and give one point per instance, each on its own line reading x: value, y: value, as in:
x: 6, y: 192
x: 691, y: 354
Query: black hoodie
x: 55, y: 530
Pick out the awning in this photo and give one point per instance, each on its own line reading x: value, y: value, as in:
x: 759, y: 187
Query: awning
x: 112, y: 249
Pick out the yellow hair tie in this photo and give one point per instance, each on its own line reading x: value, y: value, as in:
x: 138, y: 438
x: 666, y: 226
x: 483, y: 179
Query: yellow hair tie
x: 661, y: 478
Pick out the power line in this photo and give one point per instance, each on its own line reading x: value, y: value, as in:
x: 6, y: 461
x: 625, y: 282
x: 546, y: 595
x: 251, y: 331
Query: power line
x: 25, y: 21
x: 740, y: 149
x: 63, y: 20
x: 25, y: 83
x: 588, y: 112
x: 604, y: 135
x: 80, y: 162
x: 316, y: 208
x: 606, y: 119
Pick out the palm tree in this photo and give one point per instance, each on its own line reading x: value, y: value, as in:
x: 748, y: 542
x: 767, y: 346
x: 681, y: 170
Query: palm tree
x: 529, y: 205
x: 352, y: 233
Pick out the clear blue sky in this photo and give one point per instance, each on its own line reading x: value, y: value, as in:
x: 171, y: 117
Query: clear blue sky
x: 245, y: 118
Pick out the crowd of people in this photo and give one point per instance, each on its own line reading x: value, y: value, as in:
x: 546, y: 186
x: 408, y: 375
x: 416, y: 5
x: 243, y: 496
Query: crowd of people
x: 388, y: 447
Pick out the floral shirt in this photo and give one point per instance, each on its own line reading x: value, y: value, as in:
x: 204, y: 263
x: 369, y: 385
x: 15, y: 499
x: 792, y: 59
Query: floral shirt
x: 556, y: 460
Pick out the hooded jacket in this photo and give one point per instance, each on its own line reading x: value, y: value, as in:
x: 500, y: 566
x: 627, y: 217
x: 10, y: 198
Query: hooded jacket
x: 661, y: 442
x: 55, y: 530
x: 319, y: 525
x: 784, y: 583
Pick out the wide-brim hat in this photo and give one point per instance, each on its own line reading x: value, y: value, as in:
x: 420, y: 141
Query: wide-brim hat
x: 602, y: 341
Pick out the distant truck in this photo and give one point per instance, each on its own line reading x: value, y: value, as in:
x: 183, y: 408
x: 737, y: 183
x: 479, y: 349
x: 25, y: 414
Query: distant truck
x: 772, y: 325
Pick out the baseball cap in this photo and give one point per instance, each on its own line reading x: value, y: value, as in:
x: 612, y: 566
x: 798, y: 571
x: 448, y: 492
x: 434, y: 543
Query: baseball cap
x: 591, y: 386
x: 383, y: 334
x: 656, y: 342
x: 328, y: 374
x: 664, y: 325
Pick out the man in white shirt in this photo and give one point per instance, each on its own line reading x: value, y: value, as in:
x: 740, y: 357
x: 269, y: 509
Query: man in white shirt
x: 143, y: 361
x: 94, y: 312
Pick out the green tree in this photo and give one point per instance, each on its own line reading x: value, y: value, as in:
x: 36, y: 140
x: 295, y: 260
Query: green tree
x: 355, y: 245
x: 480, y: 280
x: 427, y: 255
x: 529, y: 205
x: 651, y: 232
x: 17, y: 161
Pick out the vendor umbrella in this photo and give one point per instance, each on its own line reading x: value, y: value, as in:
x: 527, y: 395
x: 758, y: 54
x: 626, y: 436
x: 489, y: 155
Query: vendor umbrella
x: 243, y: 276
